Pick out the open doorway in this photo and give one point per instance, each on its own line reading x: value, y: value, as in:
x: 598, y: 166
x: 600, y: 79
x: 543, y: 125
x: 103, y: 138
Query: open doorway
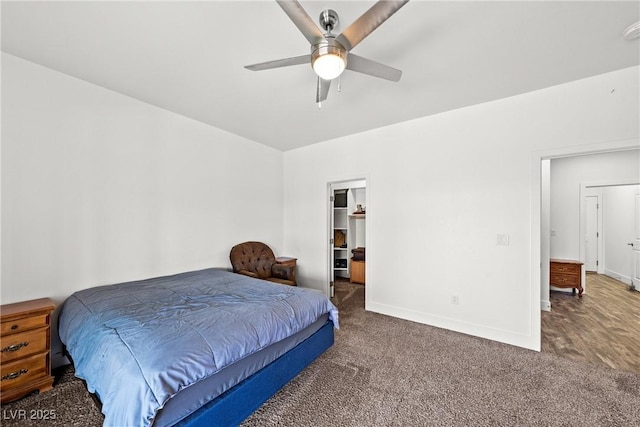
x: 573, y: 227
x: 609, y: 221
x: 347, y: 239
x: 591, y: 211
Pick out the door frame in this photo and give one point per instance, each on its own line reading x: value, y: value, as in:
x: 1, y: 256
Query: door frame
x: 541, y: 241
x: 364, y: 181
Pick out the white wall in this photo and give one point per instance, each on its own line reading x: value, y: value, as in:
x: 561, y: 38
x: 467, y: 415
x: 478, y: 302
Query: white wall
x: 440, y: 190
x: 100, y: 188
x: 567, y: 176
x: 618, y: 224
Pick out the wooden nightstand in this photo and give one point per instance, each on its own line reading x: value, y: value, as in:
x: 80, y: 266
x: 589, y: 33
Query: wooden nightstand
x: 25, y: 348
x: 289, y: 262
x: 566, y: 274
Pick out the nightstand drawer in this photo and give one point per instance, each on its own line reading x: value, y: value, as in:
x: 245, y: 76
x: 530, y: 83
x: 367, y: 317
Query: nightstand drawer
x: 20, y: 372
x: 24, y: 324
x: 15, y: 346
x: 565, y: 268
x: 566, y: 280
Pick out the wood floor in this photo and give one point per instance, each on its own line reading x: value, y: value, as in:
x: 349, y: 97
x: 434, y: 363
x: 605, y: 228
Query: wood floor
x: 602, y: 327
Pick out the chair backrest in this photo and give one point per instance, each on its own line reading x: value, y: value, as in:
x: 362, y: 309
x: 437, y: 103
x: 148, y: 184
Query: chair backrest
x: 256, y: 257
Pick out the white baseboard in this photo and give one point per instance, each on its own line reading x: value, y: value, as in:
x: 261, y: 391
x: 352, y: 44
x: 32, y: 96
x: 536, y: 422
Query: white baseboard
x: 545, y: 305
x: 615, y: 275
x: 530, y: 341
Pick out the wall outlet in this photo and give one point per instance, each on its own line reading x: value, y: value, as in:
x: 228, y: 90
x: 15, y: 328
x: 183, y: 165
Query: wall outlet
x: 454, y: 299
x: 502, y: 240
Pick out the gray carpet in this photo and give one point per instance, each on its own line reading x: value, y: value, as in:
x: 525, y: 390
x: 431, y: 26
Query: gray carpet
x: 384, y: 371
x: 68, y: 404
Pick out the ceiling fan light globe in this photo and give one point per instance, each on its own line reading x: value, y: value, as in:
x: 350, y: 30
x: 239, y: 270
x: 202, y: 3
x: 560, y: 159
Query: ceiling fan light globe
x: 329, y: 66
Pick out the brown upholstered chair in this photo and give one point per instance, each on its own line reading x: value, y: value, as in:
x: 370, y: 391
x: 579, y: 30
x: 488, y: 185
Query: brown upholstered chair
x: 256, y: 259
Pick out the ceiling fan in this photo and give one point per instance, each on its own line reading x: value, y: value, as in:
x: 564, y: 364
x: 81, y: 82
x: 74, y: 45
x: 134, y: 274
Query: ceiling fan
x: 330, y: 54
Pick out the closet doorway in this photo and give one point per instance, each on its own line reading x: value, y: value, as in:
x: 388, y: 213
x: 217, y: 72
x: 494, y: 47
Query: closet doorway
x: 347, y: 201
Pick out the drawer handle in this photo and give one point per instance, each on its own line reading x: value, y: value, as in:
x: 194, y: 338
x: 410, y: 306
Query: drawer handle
x: 15, y: 347
x: 14, y: 375
x: 14, y: 327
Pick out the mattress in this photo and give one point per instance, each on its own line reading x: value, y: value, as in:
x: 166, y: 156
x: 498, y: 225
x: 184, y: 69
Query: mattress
x: 194, y: 397
x: 165, y: 335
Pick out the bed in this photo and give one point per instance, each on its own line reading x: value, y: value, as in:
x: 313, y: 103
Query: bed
x: 205, y: 347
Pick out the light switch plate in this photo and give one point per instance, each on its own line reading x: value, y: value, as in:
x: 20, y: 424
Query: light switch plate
x: 502, y: 240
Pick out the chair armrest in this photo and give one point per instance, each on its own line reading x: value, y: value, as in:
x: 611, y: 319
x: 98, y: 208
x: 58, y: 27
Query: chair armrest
x: 248, y: 273
x: 282, y: 271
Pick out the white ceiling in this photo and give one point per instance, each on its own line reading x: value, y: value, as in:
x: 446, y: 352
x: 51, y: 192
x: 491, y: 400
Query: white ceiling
x: 188, y: 57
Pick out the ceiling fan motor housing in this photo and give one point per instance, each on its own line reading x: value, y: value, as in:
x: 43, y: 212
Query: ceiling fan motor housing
x: 328, y: 46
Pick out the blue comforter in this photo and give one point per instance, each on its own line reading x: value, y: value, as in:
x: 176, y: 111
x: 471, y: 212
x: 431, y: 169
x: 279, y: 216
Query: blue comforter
x: 137, y: 344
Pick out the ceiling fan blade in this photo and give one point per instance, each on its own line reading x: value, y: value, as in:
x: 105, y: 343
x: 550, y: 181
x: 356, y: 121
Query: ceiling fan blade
x: 368, y: 22
x: 303, y: 21
x: 372, y: 68
x: 296, y: 60
x: 322, y: 90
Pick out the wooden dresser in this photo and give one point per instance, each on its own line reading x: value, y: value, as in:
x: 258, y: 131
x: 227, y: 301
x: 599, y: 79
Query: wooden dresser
x: 25, y: 348
x: 565, y: 273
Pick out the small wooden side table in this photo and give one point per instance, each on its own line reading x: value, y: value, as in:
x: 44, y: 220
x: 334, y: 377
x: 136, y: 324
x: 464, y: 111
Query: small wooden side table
x: 289, y: 262
x: 564, y: 273
x: 357, y: 272
x: 25, y: 352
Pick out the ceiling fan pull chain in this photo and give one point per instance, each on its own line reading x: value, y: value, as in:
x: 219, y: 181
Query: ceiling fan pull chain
x: 339, y: 84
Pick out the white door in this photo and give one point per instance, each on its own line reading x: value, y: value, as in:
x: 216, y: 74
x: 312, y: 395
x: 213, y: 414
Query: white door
x: 592, y: 234
x: 635, y: 253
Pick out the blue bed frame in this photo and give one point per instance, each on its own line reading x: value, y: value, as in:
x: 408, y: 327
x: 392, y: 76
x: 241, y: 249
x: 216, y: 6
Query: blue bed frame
x: 237, y: 403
